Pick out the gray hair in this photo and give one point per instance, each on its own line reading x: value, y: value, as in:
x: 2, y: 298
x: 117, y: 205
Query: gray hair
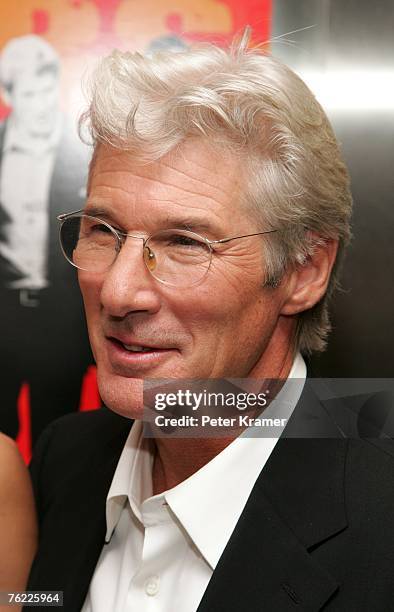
x: 251, y: 103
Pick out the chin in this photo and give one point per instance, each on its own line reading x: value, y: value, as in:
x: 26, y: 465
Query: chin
x: 122, y: 395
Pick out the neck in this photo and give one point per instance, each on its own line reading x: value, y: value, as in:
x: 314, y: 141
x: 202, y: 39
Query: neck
x: 177, y: 459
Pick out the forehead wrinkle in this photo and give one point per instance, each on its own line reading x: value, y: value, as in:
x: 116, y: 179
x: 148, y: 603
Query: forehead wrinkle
x: 190, y: 207
x: 178, y: 171
x: 113, y: 188
x: 196, y: 163
x: 157, y: 182
x: 107, y: 201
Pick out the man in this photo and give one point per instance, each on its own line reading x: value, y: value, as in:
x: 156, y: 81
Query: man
x: 217, y: 213
x: 42, y: 173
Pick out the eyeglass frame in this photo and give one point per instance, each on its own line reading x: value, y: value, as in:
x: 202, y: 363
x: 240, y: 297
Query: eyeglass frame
x: 122, y: 236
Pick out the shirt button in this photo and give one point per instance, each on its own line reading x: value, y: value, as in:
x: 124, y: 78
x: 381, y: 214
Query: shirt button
x: 152, y: 585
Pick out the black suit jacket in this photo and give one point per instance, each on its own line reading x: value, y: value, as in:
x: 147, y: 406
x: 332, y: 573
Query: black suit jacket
x: 317, y: 532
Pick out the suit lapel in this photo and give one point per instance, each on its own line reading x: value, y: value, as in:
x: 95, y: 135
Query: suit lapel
x: 297, y: 502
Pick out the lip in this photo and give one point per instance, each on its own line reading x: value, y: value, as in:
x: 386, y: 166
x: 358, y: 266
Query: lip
x: 128, y: 363
x: 129, y: 341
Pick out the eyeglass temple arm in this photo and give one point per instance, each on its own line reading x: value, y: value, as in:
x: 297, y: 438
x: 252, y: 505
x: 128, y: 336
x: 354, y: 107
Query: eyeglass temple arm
x: 223, y: 240
x: 65, y: 215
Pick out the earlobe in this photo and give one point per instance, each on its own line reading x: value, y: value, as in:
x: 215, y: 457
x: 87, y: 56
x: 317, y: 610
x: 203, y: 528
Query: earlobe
x: 308, y: 282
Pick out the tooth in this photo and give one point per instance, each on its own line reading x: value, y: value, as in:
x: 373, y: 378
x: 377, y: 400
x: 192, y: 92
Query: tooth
x: 135, y: 348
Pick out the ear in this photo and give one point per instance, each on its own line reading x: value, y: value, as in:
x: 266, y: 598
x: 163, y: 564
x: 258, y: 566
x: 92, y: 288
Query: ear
x: 308, y: 282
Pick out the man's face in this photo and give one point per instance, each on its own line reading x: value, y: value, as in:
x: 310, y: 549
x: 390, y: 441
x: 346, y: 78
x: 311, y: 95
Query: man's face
x: 221, y: 327
x: 35, y: 101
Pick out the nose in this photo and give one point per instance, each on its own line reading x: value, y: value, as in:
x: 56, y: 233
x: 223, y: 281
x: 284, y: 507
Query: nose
x: 128, y: 286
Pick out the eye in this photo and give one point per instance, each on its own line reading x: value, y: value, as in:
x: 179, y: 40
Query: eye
x: 183, y: 240
x: 100, y: 228
x: 94, y: 230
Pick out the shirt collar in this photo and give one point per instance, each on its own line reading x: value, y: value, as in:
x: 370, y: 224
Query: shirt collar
x: 207, y: 512
x: 132, y: 478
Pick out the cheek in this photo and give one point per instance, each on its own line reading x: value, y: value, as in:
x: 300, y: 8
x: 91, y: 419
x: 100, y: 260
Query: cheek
x: 219, y: 310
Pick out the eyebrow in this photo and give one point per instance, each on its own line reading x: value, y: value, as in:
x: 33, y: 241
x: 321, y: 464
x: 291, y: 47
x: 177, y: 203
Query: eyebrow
x: 96, y: 211
x: 187, y: 222
x: 190, y: 223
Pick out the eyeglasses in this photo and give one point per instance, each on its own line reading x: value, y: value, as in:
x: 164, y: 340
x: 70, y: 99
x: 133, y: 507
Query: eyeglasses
x: 176, y: 257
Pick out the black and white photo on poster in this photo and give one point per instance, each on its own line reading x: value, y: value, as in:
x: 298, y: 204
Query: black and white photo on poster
x: 42, y: 174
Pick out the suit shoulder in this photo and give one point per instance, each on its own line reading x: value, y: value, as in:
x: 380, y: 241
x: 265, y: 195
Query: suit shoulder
x: 72, y: 450
x: 80, y: 421
x: 82, y: 433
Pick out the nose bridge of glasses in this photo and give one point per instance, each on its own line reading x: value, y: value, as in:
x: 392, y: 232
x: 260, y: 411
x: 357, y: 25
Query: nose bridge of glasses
x: 147, y: 253
x: 124, y: 235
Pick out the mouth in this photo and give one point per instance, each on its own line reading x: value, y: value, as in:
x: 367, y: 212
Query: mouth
x: 129, y: 358
x: 136, y: 347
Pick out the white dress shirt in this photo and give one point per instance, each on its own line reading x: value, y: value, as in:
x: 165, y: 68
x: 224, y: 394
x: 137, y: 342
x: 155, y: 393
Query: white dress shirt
x: 161, y: 550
